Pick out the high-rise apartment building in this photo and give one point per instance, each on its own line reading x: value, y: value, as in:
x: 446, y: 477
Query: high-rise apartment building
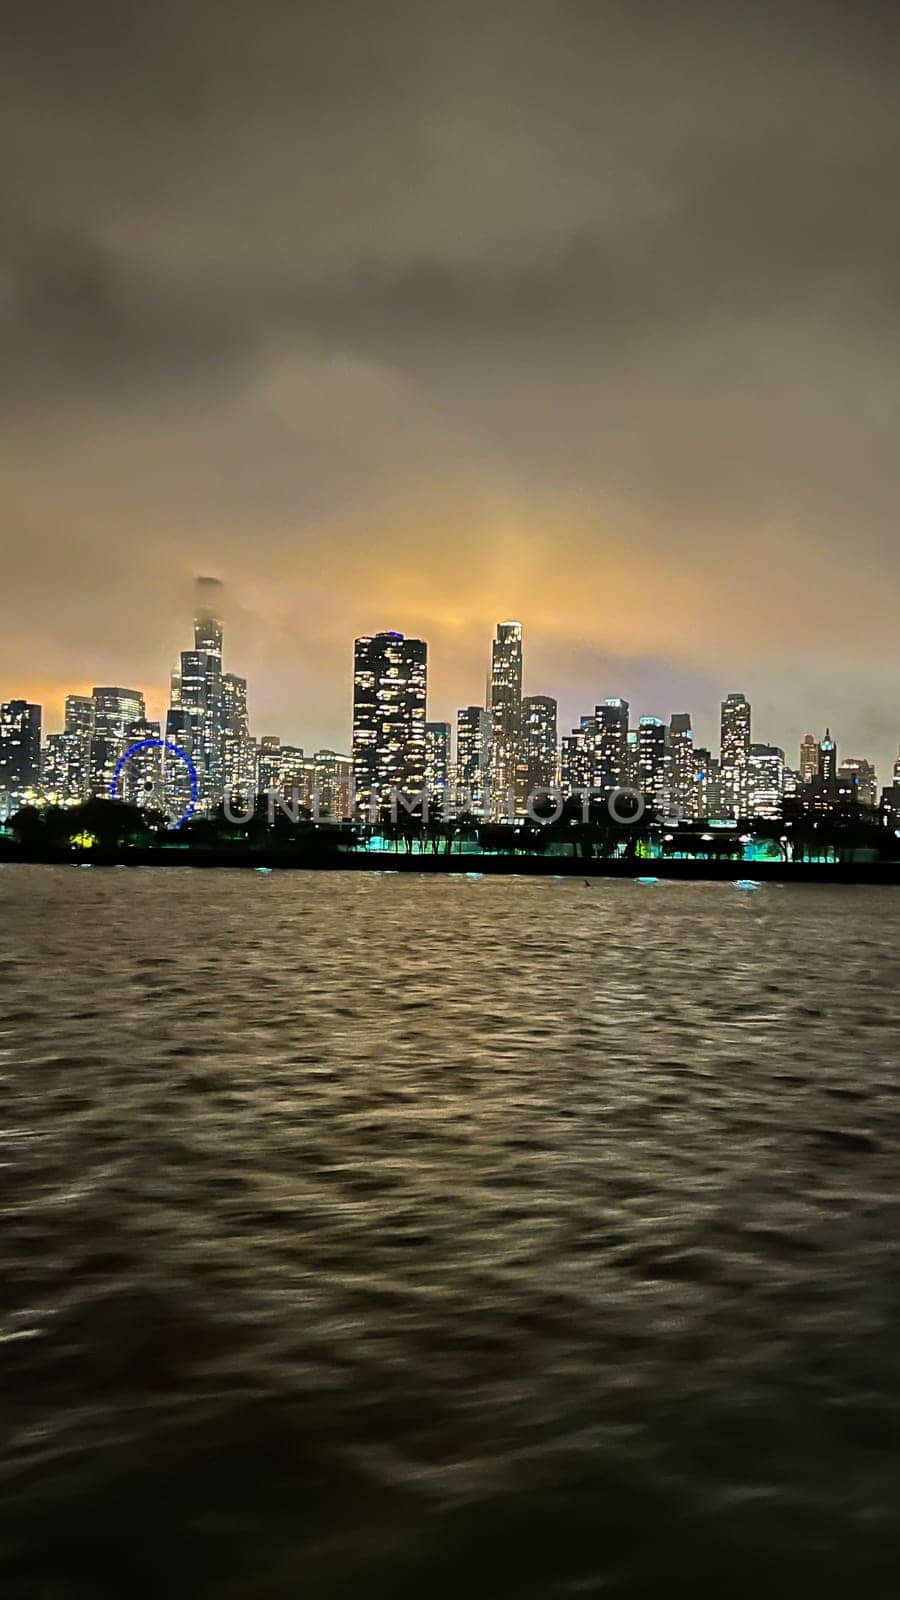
x: 114, y: 712
x: 539, y: 742
x: 507, y: 766
x: 736, y: 754
x: 390, y: 675
x: 708, y: 782
x: 238, y: 767
x: 473, y: 755
x: 681, y: 750
x: 20, y: 753
x: 576, y: 756
x: 654, y: 763
x: 437, y: 755
x: 610, y: 760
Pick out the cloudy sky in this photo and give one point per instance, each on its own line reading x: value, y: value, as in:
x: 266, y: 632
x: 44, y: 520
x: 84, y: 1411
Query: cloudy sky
x: 419, y: 315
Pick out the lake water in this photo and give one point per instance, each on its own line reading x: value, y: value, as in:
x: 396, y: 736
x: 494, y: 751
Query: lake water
x: 404, y: 1237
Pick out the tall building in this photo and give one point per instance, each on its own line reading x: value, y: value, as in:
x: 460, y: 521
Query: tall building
x: 198, y: 699
x: 268, y: 764
x: 114, y: 712
x: 708, y: 783
x: 828, y: 760
x: 507, y: 766
x: 576, y: 756
x: 389, y: 690
x: 539, y: 742
x: 473, y: 754
x: 654, y: 774
x: 238, y: 766
x: 610, y: 745
x: 437, y: 755
x: 20, y: 753
x: 332, y: 775
x: 766, y: 781
x: 861, y: 775
x: 736, y: 754
x: 681, y: 748
x: 809, y: 758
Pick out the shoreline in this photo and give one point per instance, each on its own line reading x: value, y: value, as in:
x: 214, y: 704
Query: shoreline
x: 669, y: 869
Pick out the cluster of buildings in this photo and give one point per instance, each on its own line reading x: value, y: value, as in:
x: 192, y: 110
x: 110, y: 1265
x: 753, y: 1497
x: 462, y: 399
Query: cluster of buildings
x: 509, y: 748
x: 504, y: 751
x: 207, y: 718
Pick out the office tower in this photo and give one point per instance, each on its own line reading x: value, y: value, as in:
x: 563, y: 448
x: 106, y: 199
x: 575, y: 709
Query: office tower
x: 708, y: 782
x: 20, y: 753
x: 736, y: 754
x: 681, y: 749
x: 238, y: 766
x: 114, y: 712
x: 507, y: 767
x: 539, y: 752
x: 610, y: 759
x: 576, y: 756
x: 389, y: 689
x: 827, y: 769
x: 209, y: 595
x: 766, y: 781
x: 809, y: 758
x: 473, y: 755
x: 862, y: 778
x: 437, y: 755
x: 654, y: 764
x: 332, y: 775
x: 198, y: 695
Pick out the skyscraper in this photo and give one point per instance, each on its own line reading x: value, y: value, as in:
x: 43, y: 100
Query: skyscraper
x: 708, y: 783
x: 141, y: 780
x: 507, y: 766
x: 809, y: 758
x: 389, y: 691
x: 654, y: 763
x: 539, y: 751
x: 114, y: 712
x: 437, y: 755
x: 473, y: 754
x: 766, y: 781
x: 576, y: 756
x: 681, y: 749
x: 610, y: 745
x: 20, y: 752
x: 827, y: 771
x: 238, y: 767
x: 736, y: 754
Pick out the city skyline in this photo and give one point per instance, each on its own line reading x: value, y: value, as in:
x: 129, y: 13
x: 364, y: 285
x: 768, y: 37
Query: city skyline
x: 500, y: 752
x: 493, y: 312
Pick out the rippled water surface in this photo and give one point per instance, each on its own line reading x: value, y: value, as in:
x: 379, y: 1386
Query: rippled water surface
x: 390, y: 1236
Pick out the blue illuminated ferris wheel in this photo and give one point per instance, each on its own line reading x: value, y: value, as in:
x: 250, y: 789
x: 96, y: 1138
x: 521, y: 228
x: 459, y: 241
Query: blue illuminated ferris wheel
x: 177, y: 818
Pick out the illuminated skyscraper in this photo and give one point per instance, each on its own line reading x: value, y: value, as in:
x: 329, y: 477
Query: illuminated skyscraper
x: 473, y: 754
x: 736, y: 754
x: 140, y: 783
x: 766, y: 781
x: 437, y: 755
x: 827, y: 772
x: 20, y: 753
x: 114, y: 712
x: 331, y: 781
x: 654, y: 765
x: 539, y: 744
x: 389, y: 691
x: 268, y: 764
x: 507, y: 766
x: 809, y: 758
x: 610, y: 759
x: 681, y: 750
x: 238, y: 765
